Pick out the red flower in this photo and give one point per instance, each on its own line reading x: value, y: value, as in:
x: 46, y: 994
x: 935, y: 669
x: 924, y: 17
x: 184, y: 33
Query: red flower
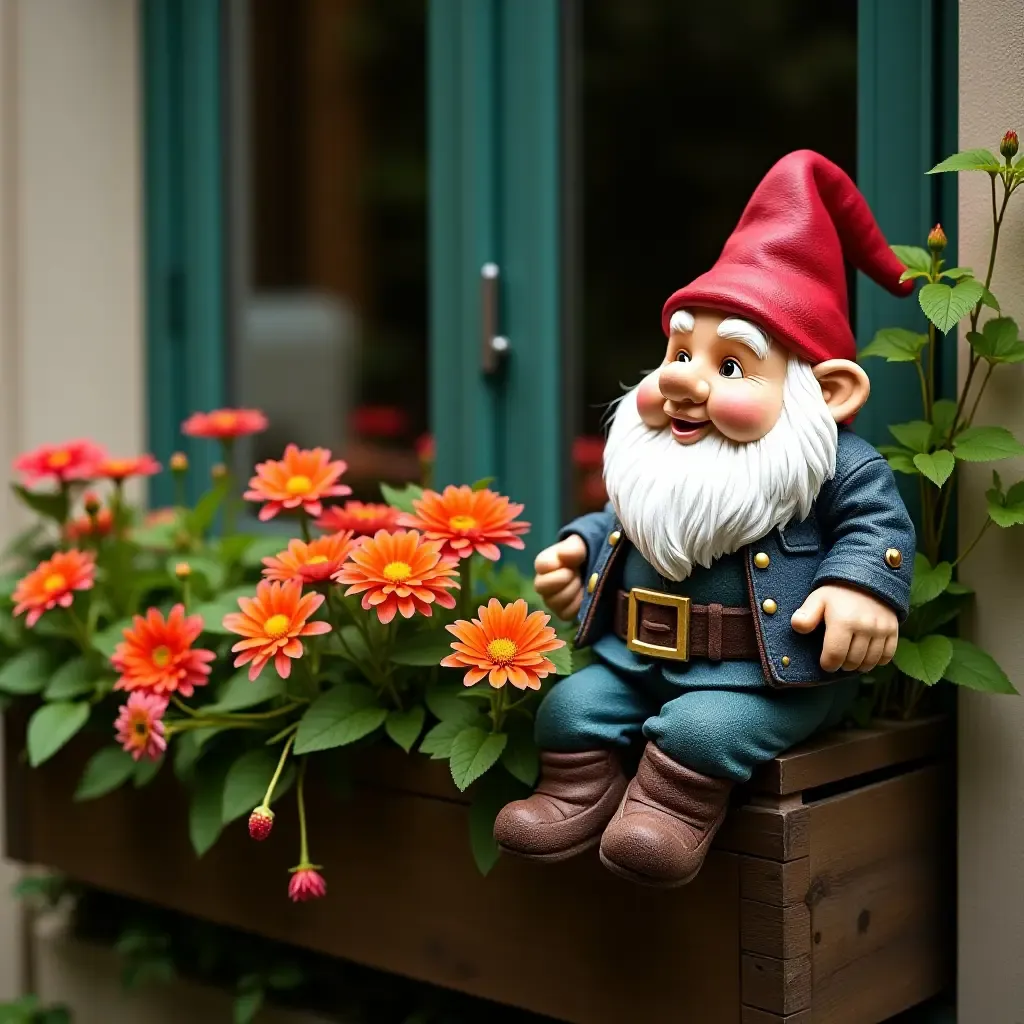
x: 90, y: 526
x: 76, y: 460
x: 224, y: 424
x: 121, y: 469
x: 364, y: 520
x: 379, y: 421
x: 157, y: 655
x: 300, y: 480
x: 588, y: 452
x: 54, y: 582
x: 140, y: 727
x: 468, y: 521
x: 310, y: 563
x: 425, y: 447
x: 306, y: 884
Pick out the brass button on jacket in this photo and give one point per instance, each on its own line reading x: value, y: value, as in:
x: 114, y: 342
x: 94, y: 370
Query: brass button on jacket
x: 761, y: 560
x: 614, y: 537
x: 769, y: 607
x: 893, y: 558
x: 592, y: 583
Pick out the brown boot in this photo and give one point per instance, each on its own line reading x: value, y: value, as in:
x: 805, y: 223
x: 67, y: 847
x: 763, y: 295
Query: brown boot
x: 574, y: 800
x: 665, y: 824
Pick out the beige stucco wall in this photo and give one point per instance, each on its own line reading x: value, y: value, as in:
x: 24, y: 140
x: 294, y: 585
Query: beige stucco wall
x: 991, y: 791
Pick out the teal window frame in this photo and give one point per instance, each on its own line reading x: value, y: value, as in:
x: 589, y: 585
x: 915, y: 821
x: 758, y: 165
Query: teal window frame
x: 496, y: 158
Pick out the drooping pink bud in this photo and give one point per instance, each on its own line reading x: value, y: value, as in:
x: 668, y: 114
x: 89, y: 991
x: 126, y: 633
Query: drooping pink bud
x: 306, y: 884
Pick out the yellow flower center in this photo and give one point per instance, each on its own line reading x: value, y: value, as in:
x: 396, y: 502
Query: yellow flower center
x: 502, y: 650
x: 462, y: 522
x: 316, y: 560
x: 161, y: 655
x: 397, y: 572
x: 298, y: 484
x: 118, y: 467
x: 223, y: 420
x: 276, y: 626
x: 59, y: 459
x: 55, y: 581
x: 365, y: 514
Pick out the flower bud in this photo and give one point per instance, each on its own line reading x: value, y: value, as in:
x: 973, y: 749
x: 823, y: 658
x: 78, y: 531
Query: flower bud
x: 937, y: 239
x: 179, y: 462
x: 91, y: 503
x: 1008, y: 144
x: 219, y: 471
x: 183, y: 570
x: 261, y: 821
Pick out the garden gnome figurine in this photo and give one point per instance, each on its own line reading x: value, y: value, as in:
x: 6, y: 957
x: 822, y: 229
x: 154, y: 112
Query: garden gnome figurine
x: 754, y: 557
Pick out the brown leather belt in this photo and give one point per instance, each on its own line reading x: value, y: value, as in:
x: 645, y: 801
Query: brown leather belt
x: 708, y: 630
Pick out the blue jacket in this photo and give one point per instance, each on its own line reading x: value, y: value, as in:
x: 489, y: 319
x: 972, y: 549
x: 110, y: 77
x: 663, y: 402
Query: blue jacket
x: 857, y: 523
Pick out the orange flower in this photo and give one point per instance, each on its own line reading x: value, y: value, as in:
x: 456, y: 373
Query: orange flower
x: 76, y: 460
x: 121, y: 469
x: 53, y: 583
x: 225, y: 424
x: 310, y: 563
x: 300, y: 480
x: 399, y: 572
x: 362, y: 519
x: 504, y: 644
x: 88, y: 526
x: 157, y: 655
x: 468, y: 521
x: 272, y: 623
x: 160, y: 517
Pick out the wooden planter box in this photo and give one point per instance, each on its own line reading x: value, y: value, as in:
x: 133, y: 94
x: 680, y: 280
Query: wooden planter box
x: 827, y: 899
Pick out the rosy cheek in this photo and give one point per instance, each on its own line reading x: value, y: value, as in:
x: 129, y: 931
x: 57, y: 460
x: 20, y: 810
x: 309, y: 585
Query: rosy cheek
x: 742, y: 413
x: 650, y: 402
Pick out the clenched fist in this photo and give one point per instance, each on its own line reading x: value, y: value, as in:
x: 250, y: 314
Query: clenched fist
x: 558, y: 578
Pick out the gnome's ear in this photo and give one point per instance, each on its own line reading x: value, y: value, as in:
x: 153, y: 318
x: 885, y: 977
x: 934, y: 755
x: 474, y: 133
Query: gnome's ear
x: 844, y: 386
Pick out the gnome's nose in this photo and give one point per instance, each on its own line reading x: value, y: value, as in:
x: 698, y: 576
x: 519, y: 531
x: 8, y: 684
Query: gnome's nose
x: 681, y: 382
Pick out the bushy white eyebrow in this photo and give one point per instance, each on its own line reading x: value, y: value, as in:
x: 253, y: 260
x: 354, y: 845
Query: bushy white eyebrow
x: 681, y: 322
x: 743, y: 331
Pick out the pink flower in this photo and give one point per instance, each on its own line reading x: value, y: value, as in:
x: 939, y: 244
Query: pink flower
x: 76, y: 460
x: 140, y: 727
x: 307, y: 884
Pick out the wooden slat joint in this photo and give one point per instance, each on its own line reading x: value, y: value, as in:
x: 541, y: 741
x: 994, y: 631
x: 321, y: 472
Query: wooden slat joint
x: 778, y: 986
x: 780, y: 932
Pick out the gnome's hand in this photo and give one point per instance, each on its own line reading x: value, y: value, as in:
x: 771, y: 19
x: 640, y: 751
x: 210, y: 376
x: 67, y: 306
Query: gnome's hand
x: 558, y: 578
x: 860, y: 631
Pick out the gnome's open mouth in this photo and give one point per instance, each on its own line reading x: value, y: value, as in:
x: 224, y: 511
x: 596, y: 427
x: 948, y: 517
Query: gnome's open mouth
x: 688, y: 430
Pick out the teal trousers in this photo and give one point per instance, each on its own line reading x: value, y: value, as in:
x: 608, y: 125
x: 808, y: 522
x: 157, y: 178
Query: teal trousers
x: 722, y: 732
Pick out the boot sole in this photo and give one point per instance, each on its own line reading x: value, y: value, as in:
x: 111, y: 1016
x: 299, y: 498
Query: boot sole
x: 653, y: 883
x: 558, y: 855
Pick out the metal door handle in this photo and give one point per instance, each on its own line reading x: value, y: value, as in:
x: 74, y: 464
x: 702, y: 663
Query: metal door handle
x: 494, y: 346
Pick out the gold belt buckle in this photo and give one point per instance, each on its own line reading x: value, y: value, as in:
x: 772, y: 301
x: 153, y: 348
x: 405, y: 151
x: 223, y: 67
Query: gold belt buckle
x: 681, y: 651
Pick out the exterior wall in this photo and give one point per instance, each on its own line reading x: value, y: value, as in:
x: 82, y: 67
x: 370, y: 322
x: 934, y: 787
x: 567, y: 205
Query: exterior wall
x: 991, y: 797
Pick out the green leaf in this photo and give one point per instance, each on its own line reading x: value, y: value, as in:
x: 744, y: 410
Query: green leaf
x: 247, y: 779
x: 51, y: 726
x: 915, y: 435
x: 955, y: 273
x: 247, y: 1005
x: 483, y: 483
x: 204, y: 812
x: 239, y: 693
x: 342, y: 715
x: 925, y: 659
x: 972, y: 667
x: 913, y: 275
x: 107, y: 769
x: 895, y: 345
x: 209, y: 568
x: 988, y: 299
x: 348, y: 643
x: 562, y: 660
x: 263, y: 547
x: 521, y: 757
x: 986, y: 444
x: 106, y: 642
x: 160, y: 537
x: 437, y: 743
x: 404, y: 727
x: 1007, y: 509
x: 52, y: 505
x: 969, y: 160
x: 285, y: 976
x: 473, y: 752
x: 946, y: 306
x: 201, y: 518
x: 998, y: 341
x: 913, y: 257
x: 927, y: 618
x: 425, y: 648
x: 74, y: 678
x: 146, y: 771
x: 442, y: 698
x: 928, y: 581
x: 27, y: 672
x: 402, y: 498
x: 943, y: 412
x: 213, y: 612
x: 937, y: 466
x: 493, y: 792
x: 901, y: 460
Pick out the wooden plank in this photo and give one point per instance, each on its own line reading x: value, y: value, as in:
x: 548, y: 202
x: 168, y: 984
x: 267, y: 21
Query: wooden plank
x: 780, y: 932
x: 751, y: 1015
x: 844, y: 754
x: 17, y: 841
x: 570, y: 940
x: 882, y: 896
x: 779, y: 986
x: 775, y: 833
x: 780, y: 883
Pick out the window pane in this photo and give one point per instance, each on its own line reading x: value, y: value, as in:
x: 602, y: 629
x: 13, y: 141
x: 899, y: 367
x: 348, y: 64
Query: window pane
x: 327, y: 186
x: 678, y: 110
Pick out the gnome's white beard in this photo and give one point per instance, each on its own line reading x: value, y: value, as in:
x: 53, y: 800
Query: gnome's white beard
x: 686, y: 505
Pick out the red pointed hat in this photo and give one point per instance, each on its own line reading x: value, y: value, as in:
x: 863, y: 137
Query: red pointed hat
x: 783, y: 265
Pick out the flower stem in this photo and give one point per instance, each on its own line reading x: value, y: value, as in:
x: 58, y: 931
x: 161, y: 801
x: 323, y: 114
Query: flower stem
x: 286, y: 750
x: 301, y: 800
x: 970, y: 547
x: 498, y: 709
x: 304, y: 525
x: 83, y: 634
x: 466, y: 593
